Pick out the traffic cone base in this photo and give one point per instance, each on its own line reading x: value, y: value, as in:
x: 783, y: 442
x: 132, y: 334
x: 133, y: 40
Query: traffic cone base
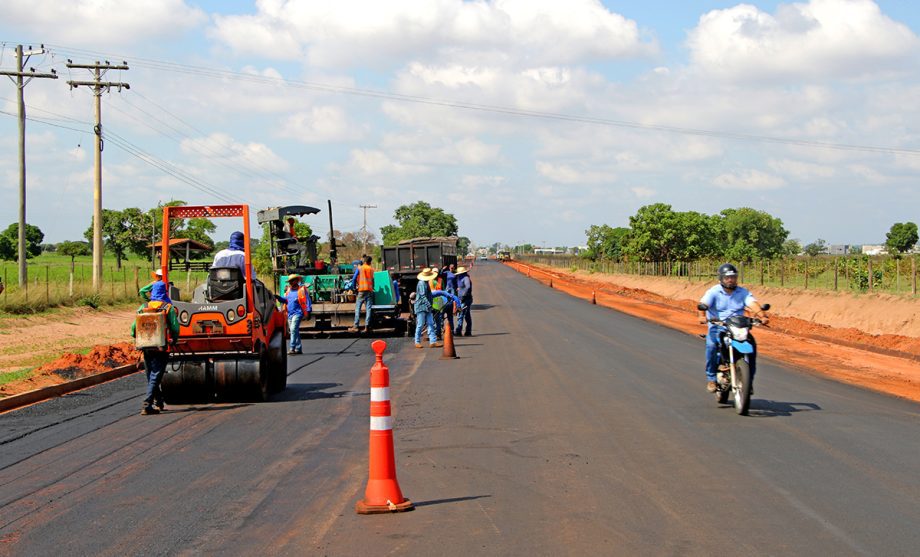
x: 450, y: 353
x: 363, y: 508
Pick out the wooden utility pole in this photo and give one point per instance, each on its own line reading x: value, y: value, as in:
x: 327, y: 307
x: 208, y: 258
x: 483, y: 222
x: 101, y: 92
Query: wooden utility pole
x: 364, y: 228
x: 21, y: 58
x: 98, y: 86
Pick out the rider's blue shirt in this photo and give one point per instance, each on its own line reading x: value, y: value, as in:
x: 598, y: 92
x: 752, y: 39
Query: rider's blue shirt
x: 723, y: 305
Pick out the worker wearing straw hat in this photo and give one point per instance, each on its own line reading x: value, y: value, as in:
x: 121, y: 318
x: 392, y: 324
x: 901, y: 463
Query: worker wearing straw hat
x: 424, y: 316
x: 465, y: 293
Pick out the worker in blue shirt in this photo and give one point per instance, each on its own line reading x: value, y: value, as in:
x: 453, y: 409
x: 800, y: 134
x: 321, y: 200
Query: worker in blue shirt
x: 725, y: 300
x: 299, y: 307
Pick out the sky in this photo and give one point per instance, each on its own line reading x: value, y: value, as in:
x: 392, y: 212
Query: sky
x: 529, y: 120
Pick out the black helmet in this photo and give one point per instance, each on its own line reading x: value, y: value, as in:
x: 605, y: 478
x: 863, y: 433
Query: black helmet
x: 726, y: 270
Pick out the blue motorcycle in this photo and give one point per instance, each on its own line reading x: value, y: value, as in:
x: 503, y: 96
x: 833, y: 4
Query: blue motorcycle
x: 734, y: 373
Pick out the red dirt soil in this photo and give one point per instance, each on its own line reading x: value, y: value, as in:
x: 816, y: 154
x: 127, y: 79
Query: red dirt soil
x: 74, y: 366
x: 883, y: 362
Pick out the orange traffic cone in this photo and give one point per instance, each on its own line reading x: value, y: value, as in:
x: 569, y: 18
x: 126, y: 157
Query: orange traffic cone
x: 382, y: 494
x: 449, y: 352
x: 593, y: 298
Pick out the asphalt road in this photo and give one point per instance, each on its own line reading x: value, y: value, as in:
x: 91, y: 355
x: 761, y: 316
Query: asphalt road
x: 564, y: 429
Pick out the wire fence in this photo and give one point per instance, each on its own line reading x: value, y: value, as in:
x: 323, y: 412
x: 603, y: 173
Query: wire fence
x: 855, y: 273
x: 54, y: 284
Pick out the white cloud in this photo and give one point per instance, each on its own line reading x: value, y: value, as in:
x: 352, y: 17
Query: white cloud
x: 108, y: 22
x: 801, y: 170
x: 425, y: 149
x: 750, y: 180
x: 643, y: 192
x: 567, y: 174
x: 362, y: 33
x: 372, y: 162
x: 220, y: 148
x: 811, y: 40
x: 322, y: 124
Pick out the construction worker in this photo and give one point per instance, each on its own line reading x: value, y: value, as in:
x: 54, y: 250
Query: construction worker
x: 444, y: 304
x: 144, y: 292
x: 423, y: 309
x: 155, y: 359
x: 365, y: 294
x: 299, y: 307
x: 234, y: 256
x: 465, y: 293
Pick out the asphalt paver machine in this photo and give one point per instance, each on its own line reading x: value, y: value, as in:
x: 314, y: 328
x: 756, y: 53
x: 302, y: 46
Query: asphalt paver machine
x: 232, y: 334
x: 328, y: 282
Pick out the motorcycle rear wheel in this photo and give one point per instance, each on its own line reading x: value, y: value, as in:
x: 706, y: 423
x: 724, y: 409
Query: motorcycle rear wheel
x: 742, y: 389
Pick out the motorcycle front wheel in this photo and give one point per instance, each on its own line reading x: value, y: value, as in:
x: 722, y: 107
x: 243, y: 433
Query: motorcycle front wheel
x: 742, y: 387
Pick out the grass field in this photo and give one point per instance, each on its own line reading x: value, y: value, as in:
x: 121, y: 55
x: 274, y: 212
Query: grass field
x: 51, y: 283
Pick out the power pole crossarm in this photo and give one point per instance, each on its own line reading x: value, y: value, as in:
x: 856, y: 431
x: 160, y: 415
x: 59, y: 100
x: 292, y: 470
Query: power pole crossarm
x: 98, y: 86
x: 21, y: 58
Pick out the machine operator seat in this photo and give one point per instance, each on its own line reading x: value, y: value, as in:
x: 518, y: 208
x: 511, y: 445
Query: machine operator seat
x: 225, y: 284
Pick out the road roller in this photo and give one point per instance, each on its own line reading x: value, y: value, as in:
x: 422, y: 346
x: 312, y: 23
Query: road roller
x: 232, y: 334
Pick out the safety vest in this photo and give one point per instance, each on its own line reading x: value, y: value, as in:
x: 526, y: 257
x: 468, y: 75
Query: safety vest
x: 366, y: 279
x: 302, y: 299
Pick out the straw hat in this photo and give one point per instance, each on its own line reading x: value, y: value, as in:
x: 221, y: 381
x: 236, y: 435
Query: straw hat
x: 460, y: 270
x: 293, y: 277
x: 427, y: 275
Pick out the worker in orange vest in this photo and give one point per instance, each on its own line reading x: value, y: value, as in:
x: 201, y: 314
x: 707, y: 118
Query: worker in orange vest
x: 365, y: 295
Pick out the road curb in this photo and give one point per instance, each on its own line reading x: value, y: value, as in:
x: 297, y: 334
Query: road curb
x: 38, y: 395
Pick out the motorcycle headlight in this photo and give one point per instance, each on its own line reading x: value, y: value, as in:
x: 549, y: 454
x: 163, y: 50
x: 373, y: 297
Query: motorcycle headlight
x: 738, y: 333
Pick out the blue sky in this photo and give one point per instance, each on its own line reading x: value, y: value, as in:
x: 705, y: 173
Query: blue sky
x: 296, y: 102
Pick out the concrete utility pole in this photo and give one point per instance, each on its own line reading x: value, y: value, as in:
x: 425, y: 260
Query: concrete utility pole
x: 20, y: 85
x: 364, y: 228
x: 98, y: 86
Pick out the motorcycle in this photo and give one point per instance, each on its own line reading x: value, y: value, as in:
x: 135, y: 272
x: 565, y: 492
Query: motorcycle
x: 734, y: 374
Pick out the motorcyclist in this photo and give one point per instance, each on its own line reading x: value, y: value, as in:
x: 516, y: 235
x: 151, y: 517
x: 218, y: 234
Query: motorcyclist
x: 725, y: 300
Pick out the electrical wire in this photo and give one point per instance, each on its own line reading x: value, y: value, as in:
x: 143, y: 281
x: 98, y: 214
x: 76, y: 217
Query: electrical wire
x: 202, y: 71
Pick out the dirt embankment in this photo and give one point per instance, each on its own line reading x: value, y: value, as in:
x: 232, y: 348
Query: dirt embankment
x: 869, y: 340
x: 64, y: 345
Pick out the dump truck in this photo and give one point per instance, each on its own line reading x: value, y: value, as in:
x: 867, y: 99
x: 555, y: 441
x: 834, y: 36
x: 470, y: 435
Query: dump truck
x: 231, y: 343
x: 329, y: 285
x: 405, y: 261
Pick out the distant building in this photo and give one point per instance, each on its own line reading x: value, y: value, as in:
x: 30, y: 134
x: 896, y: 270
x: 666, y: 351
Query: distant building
x: 870, y: 249
x: 838, y: 249
x: 547, y: 251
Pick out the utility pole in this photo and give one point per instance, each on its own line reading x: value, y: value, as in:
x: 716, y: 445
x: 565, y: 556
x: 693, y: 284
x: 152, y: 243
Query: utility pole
x: 98, y: 86
x: 364, y: 228
x: 20, y: 86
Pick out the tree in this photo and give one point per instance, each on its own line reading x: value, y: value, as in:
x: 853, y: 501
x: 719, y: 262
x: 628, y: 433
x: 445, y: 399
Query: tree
x: 605, y: 242
x: 463, y: 246
x: 73, y: 250
x: 815, y: 248
x: 748, y: 233
x: 901, y: 238
x: 117, y: 234
x: 9, y: 244
x: 658, y: 233
x: 792, y: 247
x: 419, y: 220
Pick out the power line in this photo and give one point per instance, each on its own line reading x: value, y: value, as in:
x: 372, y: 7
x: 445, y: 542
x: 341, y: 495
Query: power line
x: 202, y: 71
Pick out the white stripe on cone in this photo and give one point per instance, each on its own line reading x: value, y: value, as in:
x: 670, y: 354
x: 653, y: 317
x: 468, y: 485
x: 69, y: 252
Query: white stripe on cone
x: 380, y: 394
x: 381, y: 423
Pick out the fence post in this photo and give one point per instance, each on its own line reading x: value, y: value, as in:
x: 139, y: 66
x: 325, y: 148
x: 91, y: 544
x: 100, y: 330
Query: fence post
x: 112, y: 280
x: 913, y: 275
x: 47, y: 287
x: 782, y: 272
x: 806, y: 274
x: 137, y: 285
x: 869, y: 267
x: 897, y: 275
x: 835, y: 272
x: 124, y: 279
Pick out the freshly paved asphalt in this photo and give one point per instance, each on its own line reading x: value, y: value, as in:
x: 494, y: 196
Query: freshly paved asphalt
x: 564, y: 429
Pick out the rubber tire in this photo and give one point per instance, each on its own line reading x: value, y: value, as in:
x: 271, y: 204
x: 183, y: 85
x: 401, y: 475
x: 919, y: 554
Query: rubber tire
x: 743, y: 396
x: 277, y: 363
x: 263, y: 391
